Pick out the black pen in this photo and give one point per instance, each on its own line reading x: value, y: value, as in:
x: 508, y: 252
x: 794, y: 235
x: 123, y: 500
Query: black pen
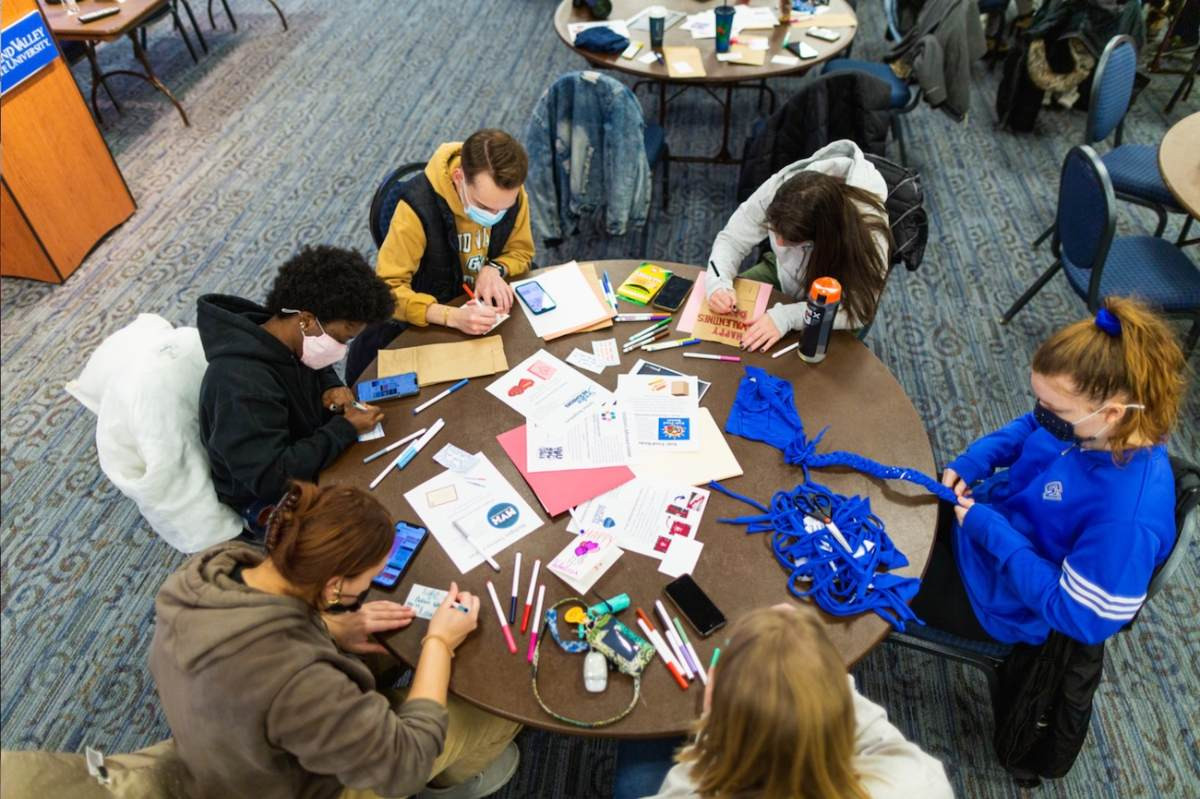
x: 716, y: 271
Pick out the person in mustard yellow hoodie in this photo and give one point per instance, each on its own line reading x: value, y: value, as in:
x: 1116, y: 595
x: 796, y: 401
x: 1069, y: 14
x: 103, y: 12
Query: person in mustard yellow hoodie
x: 464, y: 220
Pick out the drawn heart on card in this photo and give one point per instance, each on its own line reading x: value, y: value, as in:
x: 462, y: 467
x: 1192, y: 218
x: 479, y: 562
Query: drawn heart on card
x: 585, y: 547
x: 523, y: 385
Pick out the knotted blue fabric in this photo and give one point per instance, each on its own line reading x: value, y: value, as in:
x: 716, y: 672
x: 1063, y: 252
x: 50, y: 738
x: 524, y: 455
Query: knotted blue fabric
x: 844, y: 577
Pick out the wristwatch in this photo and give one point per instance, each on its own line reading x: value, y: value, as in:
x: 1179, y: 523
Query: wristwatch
x: 501, y: 268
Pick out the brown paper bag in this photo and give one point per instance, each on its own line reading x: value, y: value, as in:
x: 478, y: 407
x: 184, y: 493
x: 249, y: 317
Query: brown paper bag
x: 442, y: 363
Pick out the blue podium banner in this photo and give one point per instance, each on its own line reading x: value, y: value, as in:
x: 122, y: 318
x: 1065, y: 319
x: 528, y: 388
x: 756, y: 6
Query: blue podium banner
x: 25, y: 47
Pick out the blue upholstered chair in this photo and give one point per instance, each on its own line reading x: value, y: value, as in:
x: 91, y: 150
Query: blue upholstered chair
x: 904, y: 97
x: 1098, y: 265
x: 387, y: 197
x: 1132, y: 168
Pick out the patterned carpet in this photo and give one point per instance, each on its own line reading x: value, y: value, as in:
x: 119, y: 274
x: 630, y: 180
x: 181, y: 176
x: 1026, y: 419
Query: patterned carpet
x: 290, y: 132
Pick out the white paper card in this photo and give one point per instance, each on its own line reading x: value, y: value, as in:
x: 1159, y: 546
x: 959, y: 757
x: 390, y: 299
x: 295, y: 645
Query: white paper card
x: 500, y: 317
x: 785, y: 60
x: 455, y: 459
x: 648, y: 57
x: 683, y: 67
x: 594, y: 440
x: 681, y: 557
x: 575, y: 303
x: 547, y: 391
x: 758, y: 44
x: 607, y: 351
x: 585, y: 360
x: 425, y: 600
x: 372, y: 434
x: 644, y: 516
x: 486, y: 516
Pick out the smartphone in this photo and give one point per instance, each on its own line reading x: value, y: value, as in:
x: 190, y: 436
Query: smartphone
x: 673, y: 293
x: 535, y: 297
x: 824, y: 33
x: 387, y: 388
x: 695, y: 605
x: 404, y: 548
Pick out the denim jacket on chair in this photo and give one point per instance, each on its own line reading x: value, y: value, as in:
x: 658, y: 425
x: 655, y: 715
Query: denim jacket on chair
x: 587, y: 152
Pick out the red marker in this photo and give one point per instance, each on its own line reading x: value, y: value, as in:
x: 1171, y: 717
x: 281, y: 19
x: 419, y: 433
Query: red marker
x: 664, y: 652
x: 537, y: 624
x: 512, y: 645
x: 467, y: 289
x: 537, y: 565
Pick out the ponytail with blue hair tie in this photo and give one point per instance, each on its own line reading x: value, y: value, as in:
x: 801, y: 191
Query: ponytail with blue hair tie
x: 834, y: 549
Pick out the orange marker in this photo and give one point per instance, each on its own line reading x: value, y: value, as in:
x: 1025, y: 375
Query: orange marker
x: 467, y: 289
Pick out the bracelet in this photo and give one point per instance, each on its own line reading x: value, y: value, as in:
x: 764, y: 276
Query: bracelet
x: 445, y: 316
x: 441, y: 640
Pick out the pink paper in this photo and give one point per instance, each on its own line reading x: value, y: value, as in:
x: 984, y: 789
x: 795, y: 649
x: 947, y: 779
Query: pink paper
x: 558, y: 491
x: 687, y: 319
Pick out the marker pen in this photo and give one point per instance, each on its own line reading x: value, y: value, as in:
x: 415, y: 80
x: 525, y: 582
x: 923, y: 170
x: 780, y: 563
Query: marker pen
x: 649, y: 628
x: 537, y: 565
x: 508, y: 639
x: 512, y: 600
x: 673, y: 639
x: 537, y: 623
x: 690, y: 651
x: 663, y: 652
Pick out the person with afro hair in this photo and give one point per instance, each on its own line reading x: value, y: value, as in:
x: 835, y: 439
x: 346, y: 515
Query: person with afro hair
x: 272, y: 408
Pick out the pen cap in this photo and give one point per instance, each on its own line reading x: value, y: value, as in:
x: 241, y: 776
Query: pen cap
x: 612, y: 605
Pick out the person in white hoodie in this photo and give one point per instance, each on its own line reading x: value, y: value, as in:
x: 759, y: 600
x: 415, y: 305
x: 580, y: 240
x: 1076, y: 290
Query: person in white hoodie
x: 782, y: 720
x: 824, y: 216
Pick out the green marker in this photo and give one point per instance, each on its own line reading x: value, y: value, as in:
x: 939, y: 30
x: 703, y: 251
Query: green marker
x: 716, y: 654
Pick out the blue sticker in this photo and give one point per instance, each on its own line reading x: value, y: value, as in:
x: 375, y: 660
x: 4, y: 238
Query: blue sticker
x: 503, y: 515
x: 674, y: 428
x: 26, y: 47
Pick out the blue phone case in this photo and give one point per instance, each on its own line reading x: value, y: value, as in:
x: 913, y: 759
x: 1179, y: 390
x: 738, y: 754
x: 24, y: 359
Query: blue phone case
x: 405, y: 547
x: 388, y: 388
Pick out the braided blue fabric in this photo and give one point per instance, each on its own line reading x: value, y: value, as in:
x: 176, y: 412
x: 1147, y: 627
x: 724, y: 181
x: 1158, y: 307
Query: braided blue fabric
x: 843, y: 579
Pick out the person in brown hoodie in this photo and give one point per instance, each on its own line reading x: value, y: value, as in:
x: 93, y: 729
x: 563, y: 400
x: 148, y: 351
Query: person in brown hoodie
x: 261, y: 691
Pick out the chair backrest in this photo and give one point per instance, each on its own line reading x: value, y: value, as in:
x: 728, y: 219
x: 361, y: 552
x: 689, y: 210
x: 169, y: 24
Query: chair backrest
x: 905, y: 206
x: 1085, y: 219
x: 893, y: 18
x: 1112, y: 89
x: 1187, y: 521
x: 387, y: 197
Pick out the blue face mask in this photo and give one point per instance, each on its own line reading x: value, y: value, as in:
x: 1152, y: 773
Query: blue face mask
x: 1064, y: 430
x: 478, y: 215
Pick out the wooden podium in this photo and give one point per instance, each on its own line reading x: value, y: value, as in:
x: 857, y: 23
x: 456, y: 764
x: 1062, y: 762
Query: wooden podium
x: 61, y: 191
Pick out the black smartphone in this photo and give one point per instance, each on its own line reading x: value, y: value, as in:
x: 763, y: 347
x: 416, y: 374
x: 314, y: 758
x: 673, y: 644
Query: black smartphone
x: 695, y: 605
x: 673, y: 293
x: 404, y: 548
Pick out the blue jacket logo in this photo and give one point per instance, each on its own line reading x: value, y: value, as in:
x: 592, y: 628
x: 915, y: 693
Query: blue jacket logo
x: 1053, y: 491
x: 503, y: 515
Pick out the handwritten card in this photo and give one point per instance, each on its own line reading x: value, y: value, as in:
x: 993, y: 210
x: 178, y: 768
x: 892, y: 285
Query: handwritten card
x: 728, y: 328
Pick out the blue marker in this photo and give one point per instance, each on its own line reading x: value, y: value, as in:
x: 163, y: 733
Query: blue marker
x: 608, y: 290
x: 443, y: 395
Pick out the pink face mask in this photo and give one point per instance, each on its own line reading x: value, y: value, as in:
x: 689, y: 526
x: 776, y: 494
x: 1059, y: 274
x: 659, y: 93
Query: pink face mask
x: 317, y: 352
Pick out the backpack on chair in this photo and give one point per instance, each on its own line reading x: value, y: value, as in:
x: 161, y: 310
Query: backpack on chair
x: 905, y: 206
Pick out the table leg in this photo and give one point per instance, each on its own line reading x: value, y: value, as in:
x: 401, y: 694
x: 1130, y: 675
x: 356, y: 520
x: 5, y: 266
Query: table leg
x: 152, y: 79
x: 98, y: 81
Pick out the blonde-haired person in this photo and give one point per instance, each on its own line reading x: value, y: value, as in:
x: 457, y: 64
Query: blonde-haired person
x: 782, y: 720
x: 263, y: 694
x: 1066, y: 537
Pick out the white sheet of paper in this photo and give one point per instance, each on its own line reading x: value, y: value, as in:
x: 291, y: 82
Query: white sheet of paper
x: 455, y: 459
x: 682, y: 67
x: 607, y: 351
x: 500, y: 317
x: 585, y: 360
x: 425, y: 600
x: 648, y: 57
x: 656, y: 419
x: 713, y: 461
x: 547, y: 391
x: 758, y: 43
x: 575, y: 303
x: 491, y: 510
x: 681, y: 557
x: 785, y: 60
x: 618, y: 26
x: 645, y: 516
x: 594, y: 440
x: 372, y: 434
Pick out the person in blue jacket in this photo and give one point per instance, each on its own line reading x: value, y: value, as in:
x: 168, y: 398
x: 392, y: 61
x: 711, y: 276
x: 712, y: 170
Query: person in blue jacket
x: 1064, y: 514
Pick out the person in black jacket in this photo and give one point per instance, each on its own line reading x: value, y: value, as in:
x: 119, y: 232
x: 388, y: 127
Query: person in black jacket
x: 272, y: 409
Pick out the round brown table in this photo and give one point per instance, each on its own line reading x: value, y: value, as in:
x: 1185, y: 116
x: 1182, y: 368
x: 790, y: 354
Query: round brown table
x: 851, y: 390
x: 1179, y: 162
x: 718, y: 75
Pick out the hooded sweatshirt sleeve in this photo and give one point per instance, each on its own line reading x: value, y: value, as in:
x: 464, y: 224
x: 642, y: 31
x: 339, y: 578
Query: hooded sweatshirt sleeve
x: 744, y: 230
x: 399, y: 257
x: 891, y: 766
x: 1000, y: 448
x: 332, y: 726
x: 249, y: 434
x: 518, y: 250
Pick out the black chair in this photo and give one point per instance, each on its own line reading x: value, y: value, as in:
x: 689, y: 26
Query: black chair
x: 366, y: 345
x: 233, y: 22
x: 989, y: 656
